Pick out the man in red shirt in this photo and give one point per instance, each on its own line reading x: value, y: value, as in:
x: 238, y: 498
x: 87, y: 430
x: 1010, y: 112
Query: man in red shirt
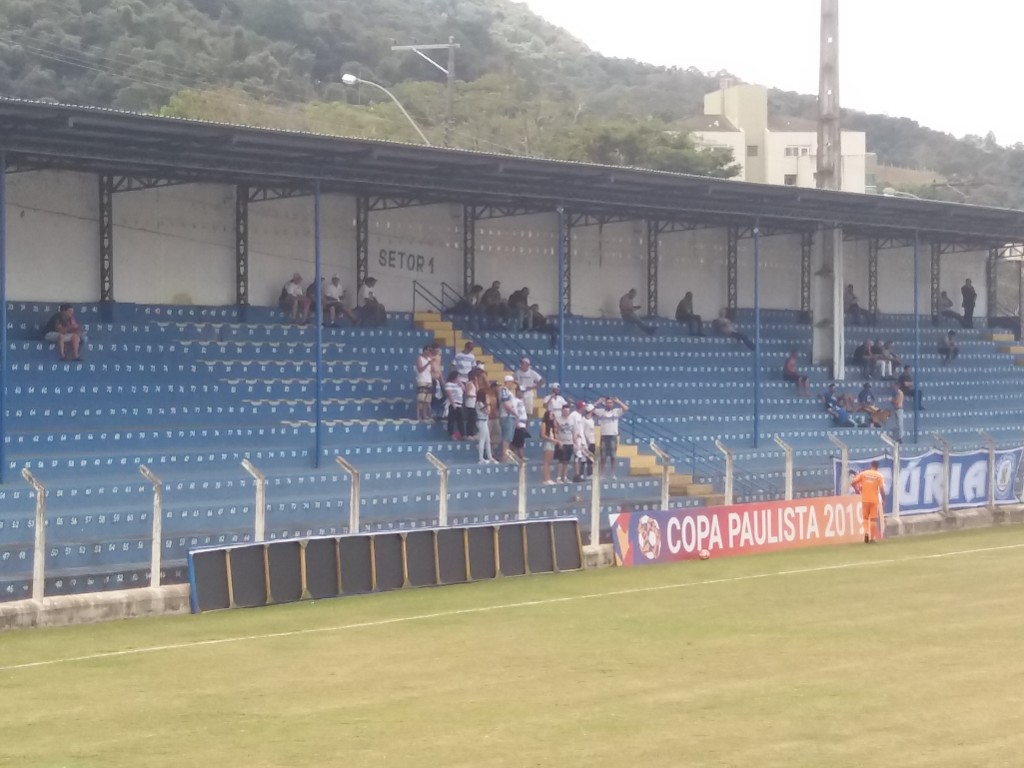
x: 871, y: 486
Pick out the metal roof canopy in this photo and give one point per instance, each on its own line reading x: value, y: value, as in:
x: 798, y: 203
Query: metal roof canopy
x: 38, y: 136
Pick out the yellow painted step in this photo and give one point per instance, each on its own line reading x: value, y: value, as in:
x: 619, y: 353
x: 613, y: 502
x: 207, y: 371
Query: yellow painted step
x: 994, y: 336
x: 425, y: 316
x: 1012, y: 349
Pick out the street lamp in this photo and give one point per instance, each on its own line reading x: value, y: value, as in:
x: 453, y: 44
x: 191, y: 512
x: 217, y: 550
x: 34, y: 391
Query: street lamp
x: 349, y: 79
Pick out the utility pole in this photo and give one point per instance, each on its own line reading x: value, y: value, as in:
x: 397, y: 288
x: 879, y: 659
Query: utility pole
x: 449, y: 73
x: 830, y: 155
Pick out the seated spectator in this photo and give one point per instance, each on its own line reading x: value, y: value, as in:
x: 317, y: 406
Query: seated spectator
x: 469, y: 305
x: 493, y: 306
x: 841, y: 417
x: 863, y: 357
x: 519, y: 310
x: 63, y: 329
x: 945, y: 307
x: 334, y: 305
x: 725, y: 327
x: 883, y: 361
x: 866, y: 404
x: 891, y: 357
x: 685, y: 315
x: 628, y: 308
x: 370, y: 311
x: 791, y: 373
x: 906, y: 385
x: 539, y: 322
x: 294, y: 300
x: 948, y: 348
x: 834, y: 400
x: 851, y: 306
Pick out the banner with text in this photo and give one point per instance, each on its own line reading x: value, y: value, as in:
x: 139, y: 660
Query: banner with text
x: 642, y: 538
x: 921, y: 479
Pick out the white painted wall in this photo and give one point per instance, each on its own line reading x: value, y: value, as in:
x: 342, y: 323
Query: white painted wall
x: 606, y: 262
x: 780, y: 272
x: 896, y: 280
x: 692, y: 261
x: 957, y: 267
x: 855, y: 270
x: 520, y: 251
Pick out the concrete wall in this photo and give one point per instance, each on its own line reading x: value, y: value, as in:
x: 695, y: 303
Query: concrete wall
x: 607, y: 262
x: 518, y: 251
x: 692, y: 261
x: 780, y: 272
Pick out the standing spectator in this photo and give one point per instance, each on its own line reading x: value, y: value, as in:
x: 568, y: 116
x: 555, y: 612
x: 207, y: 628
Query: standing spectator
x: 945, y: 307
x: 607, y: 415
x: 554, y: 401
x: 948, y: 348
x: 333, y: 299
x: 587, y: 425
x: 483, y: 412
x: 454, y: 394
x: 851, y: 305
x: 906, y: 383
x: 970, y: 296
x: 897, y: 405
x: 685, y: 315
x: 438, y: 400
x: 521, y: 433
x: 791, y: 373
x: 725, y: 327
x: 63, y: 328
x: 465, y: 361
x: 579, y: 444
x: 370, y: 311
x: 424, y: 382
x: 628, y: 308
x: 470, y: 393
x: 295, y: 301
x: 564, y: 430
x: 549, y: 441
x: 493, y: 422
x: 507, y: 415
x: 528, y: 380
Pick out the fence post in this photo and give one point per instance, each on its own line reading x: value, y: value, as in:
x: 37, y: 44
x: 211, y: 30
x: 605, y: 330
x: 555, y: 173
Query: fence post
x: 521, y: 463
x: 945, y: 471
x: 895, y: 483
x: 260, y: 527
x: 789, y: 466
x: 666, y: 470
x: 442, y: 502
x: 39, y: 555
x: 991, y: 445
x: 353, y: 494
x: 844, y: 463
x: 595, y: 502
x: 728, y: 470
x: 158, y: 536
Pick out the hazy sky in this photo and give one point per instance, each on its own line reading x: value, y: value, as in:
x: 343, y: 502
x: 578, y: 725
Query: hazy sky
x: 950, y: 66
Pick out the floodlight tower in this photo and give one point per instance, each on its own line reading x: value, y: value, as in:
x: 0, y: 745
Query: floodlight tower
x: 830, y: 156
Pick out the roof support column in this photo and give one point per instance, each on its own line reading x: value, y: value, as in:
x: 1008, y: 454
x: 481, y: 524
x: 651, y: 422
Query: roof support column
x: 242, y: 247
x: 653, y: 228
x: 106, y: 222
x: 873, y: 247
x: 319, y: 319
x: 362, y: 240
x: 935, y: 277
x: 565, y: 261
x: 806, y: 246
x: 991, y: 281
x: 829, y: 332
x: 732, y: 249
x: 469, y: 216
x: 3, y: 315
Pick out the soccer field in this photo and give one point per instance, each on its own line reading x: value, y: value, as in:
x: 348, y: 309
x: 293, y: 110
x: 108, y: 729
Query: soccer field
x: 908, y: 653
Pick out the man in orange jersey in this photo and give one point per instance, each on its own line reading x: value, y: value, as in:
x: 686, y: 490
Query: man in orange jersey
x: 870, y: 485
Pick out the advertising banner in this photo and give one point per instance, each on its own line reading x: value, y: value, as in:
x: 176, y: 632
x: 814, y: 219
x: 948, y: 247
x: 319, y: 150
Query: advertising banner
x: 643, y: 538
x: 921, y: 480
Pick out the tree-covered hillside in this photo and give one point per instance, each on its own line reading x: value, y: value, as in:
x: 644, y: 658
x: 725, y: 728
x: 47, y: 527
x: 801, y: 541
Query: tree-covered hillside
x: 524, y: 86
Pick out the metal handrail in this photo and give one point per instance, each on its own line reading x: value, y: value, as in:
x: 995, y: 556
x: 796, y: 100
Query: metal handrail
x: 353, y: 497
x: 260, y: 518
x: 157, y: 535
x: 426, y: 295
x: 521, y: 463
x: 39, y: 553
x: 788, y: 449
x: 666, y: 470
x: 991, y: 445
x: 728, y: 470
x: 442, y: 502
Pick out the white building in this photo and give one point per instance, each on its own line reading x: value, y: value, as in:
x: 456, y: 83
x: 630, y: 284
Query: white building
x: 770, y: 149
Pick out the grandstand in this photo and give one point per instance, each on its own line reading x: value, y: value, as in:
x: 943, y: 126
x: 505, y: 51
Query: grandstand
x: 190, y: 390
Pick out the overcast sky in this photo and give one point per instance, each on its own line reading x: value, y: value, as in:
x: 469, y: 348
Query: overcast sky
x: 950, y: 66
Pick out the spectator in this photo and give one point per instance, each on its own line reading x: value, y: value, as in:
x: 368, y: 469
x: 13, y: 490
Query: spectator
x: 484, y: 395
x: 970, y: 296
x: 564, y: 430
x: 465, y: 361
x: 520, y: 434
x: 424, y: 382
x: 883, y: 360
x: 834, y: 400
x: 454, y: 394
x: 906, y: 383
x: 841, y: 417
x: 685, y: 315
x: 863, y: 357
x: 370, y: 311
x: 725, y: 327
x: 948, y: 348
x: 589, y: 435
x: 539, y: 322
x: 579, y: 444
x: 469, y: 305
x: 528, y: 380
x: 851, y: 305
x: 866, y: 396
x: 439, y: 400
x: 607, y: 414
x: 333, y: 297
x: 791, y: 373
x: 519, y: 310
x: 897, y: 405
x: 554, y: 401
x: 628, y: 308
x: 866, y: 404
x: 62, y: 329
x: 294, y: 301
x: 493, y: 420
x: 493, y: 306
x: 549, y: 441
x: 945, y: 307
x: 470, y: 392
x: 507, y: 415
x: 891, y: 357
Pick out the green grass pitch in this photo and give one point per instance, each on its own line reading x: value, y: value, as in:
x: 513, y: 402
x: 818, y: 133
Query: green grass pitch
x: 907, y: 653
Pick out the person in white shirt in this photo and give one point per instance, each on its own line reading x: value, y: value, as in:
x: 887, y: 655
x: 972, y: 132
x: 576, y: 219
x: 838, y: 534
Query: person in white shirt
x: 507, y: 414
x: 607, y: 414
x: 295, y: 301
x: 424, y: 383
x: 454, y: 394
x: 587, y: 427
x: 469, y: 386
x: 579, y: 441
x: 528, y: 380
x: 483, y: 410
x: 520, y: 435
x: 564, y: 429
x: 369, y: 310
x: 554, y: 401
x: 465, y: 361
x: 333, y: 305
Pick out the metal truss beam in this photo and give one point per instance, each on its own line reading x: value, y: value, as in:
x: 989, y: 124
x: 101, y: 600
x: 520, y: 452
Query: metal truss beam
x: 935, y: 276
x: 242, y: 245
x: 873, y: 277
x: 362, y: 240
x: 566, y: 246
x: 962, y: 247
x: 504, y: 211
x: 468, y: 248
x: 106, y: 222
x: 136, y: 183
x: 732, y: 267
x: 653, y: 229
x: 264, y: 194
x: 806, y: 251
x: 765, y: 230
x: 601, y: 219
x: 383, y: 203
